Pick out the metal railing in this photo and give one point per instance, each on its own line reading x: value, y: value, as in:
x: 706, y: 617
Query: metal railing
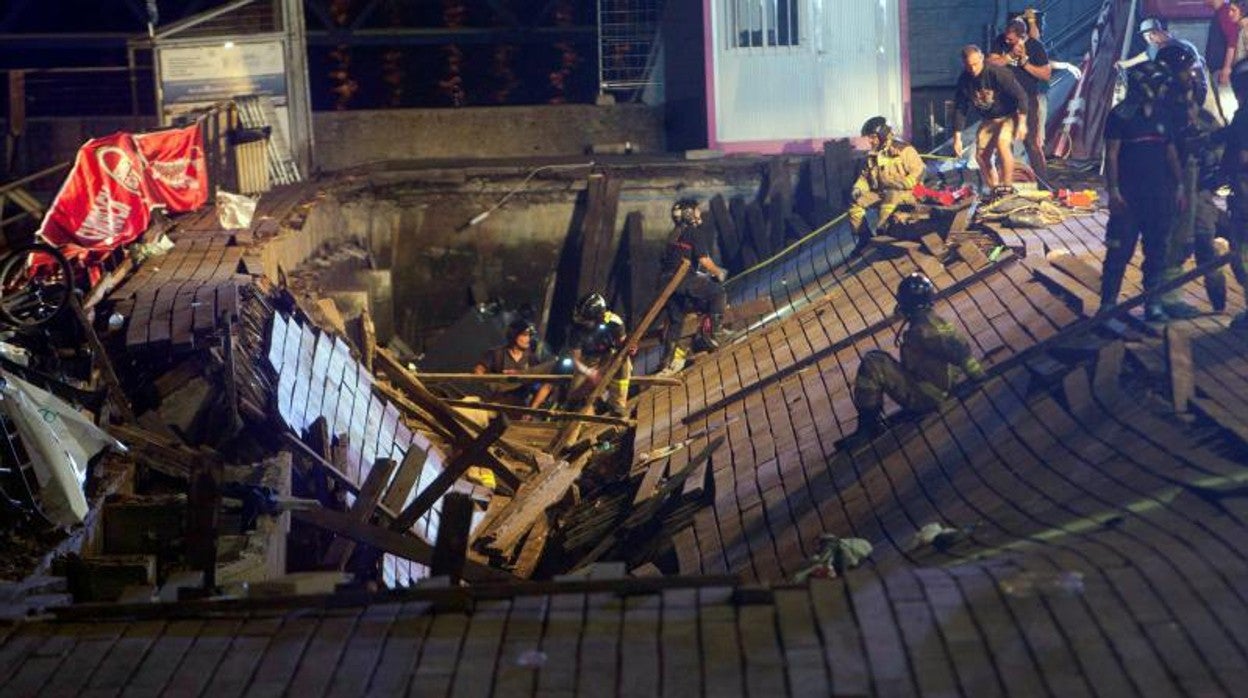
x: 628, y: 39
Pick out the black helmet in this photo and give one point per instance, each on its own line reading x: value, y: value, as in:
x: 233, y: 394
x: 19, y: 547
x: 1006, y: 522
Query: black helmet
x: 685, y: 212
x: 877, y: 126
x: 518, y: 327
x: 1178, y: 58
x: 591, y: 308
x: 914, y: 293
x: 1146, y: 81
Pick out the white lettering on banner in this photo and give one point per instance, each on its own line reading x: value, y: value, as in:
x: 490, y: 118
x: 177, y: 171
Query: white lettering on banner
x: 174, y: 173
x: 117, y: 164
x: 106, y: 220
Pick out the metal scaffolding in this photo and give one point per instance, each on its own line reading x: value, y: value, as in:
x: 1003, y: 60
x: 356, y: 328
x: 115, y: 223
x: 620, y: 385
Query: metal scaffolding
x: 628, y: 39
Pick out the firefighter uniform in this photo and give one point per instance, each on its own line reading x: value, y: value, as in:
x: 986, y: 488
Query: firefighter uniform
x: 595, y: 345
x: 932, y: 354
x: 888, y: 180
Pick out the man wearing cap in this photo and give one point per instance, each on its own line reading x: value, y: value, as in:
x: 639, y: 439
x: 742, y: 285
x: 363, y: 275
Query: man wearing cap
x: 1029, y: 62
x: 1157, y: 37
x: 1001, y: 105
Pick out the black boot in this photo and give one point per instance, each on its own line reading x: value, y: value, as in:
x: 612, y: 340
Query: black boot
x: 863, y: 235
x: 870, y: 425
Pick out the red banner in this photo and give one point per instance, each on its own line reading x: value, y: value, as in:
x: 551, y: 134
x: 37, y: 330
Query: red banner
x: 176, y: 170
x: 105, y: 202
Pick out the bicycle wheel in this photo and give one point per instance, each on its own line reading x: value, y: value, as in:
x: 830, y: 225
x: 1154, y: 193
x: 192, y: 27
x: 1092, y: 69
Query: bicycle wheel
x: 35, y: 283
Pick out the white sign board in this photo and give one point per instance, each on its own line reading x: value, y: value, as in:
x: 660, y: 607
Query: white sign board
x: 198, y: 76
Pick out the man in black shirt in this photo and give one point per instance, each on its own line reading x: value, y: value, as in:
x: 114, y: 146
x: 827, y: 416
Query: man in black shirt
x: 1029, y: 63
x: 1001, y: 104
x: 1235, y: 170
x: 701, y: 290
x: 1139, y: 144
x: 518, y: 355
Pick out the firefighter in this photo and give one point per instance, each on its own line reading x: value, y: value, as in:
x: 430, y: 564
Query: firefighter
x: 1143, y: 178
x: 702, y: 289
x: 599, y: 336
x: 893, y: 169
x: 932, y: 352
x: 1200, y: 145
x: 518, y: 355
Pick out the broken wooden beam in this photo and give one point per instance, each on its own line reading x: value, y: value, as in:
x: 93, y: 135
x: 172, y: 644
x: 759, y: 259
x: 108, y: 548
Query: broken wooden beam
x: 404, y: 545
x: 116, y: 396
x: 474, y: 453
x: 554, y: 415
x: 1179, y: 367
x: 450, y: 550
x: 568, y: 434
x: 513, y: 378
x: 361, y: 510
x: 443, y: 415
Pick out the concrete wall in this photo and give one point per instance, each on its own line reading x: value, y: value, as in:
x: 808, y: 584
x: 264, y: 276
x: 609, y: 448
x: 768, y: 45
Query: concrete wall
x: 437, y: 257
x: 349, y: 138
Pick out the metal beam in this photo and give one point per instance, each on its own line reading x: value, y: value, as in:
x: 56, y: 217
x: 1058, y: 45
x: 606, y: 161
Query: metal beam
x: 460, y: 35
x: 60, y: 41
x: 184, y: 24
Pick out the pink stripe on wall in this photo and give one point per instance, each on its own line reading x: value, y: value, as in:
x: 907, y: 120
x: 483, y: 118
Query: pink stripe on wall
x: 708, y: 64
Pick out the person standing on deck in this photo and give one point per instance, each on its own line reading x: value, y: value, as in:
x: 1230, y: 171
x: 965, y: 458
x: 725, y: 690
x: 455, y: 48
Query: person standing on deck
x: 1235, y: 170
x: 1001, y: 104
x: 1143, y: 178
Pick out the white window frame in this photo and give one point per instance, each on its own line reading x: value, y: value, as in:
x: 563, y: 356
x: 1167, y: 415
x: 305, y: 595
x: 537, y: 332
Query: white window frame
x: 755, y: 24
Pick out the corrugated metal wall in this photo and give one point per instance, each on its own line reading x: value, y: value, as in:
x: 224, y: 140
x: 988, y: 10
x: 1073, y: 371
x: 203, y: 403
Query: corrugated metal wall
x: 845, y: 68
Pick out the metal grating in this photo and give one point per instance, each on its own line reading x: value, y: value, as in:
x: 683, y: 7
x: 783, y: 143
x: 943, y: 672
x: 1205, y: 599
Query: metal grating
x: 628, y: 36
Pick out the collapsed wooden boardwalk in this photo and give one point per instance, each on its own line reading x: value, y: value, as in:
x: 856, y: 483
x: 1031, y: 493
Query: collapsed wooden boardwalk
x: 1098, y: 539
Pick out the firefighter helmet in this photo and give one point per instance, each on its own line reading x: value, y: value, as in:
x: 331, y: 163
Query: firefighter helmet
x: 1146, y: 82
x: 686, y: 212
x: 1177, y: 57
x: 914, y: 293
x: 878, y: 126
x: 591, y: 309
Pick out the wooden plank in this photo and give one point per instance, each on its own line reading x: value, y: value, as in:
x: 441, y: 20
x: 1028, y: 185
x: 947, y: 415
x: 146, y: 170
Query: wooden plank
x: 1080, y: 270
x: 1083, y: 300
x: 1108, y: 369
x: 452, y: 543
x: 972, y: 255
x: 643, y: 267
x: 406, y: 478
x: 362, y: 510
x: 934, y: 244
x: 729, y: 236
x: 533, y: 498
x: 1179, y: 367
x: 471, y: 454
x: 403, y: 545
x: 756, y: 224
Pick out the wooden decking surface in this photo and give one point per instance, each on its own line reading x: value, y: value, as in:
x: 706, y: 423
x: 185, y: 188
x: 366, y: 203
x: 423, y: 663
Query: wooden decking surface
x: 1101, y: 544
x: 176, y: 298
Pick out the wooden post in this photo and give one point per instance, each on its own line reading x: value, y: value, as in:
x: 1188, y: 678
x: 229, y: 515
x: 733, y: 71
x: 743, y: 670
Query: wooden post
x: 231, y: 382
x: 570, y: 431
x: 362, y: 510
x: 203, y: 519
x: 451, y: 547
